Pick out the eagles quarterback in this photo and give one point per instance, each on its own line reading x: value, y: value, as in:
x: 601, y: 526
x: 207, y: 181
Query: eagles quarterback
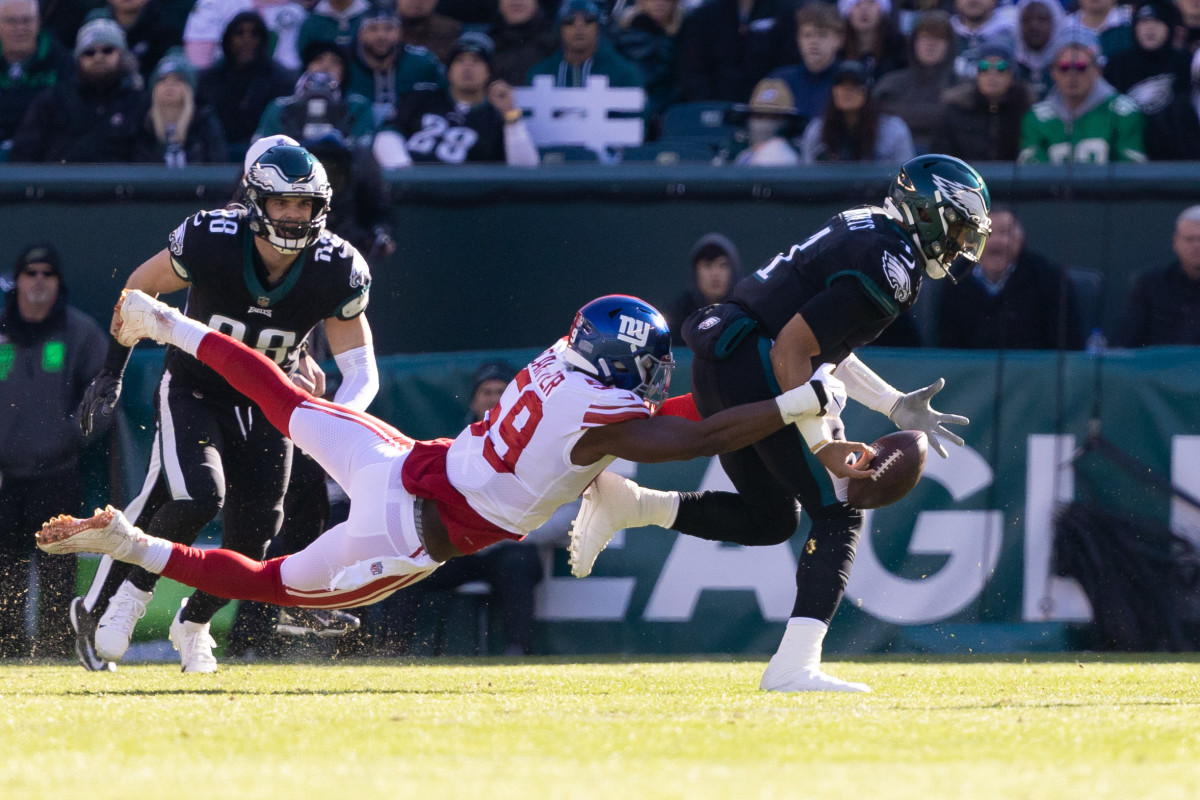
x: 264, y: 273
x: 800, y: 317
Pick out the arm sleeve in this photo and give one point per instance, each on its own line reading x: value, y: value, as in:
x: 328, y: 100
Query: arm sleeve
x: 519, y: 149
x: 360, y: 378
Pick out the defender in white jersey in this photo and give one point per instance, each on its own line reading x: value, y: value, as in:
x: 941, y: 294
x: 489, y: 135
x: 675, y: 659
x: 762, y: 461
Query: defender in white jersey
x: 589, y: 399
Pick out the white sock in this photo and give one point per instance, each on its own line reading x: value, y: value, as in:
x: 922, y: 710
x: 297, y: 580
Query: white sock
x: 657, y: 508
x: 186, y: 334
x: 155, y: 554
x: 802, y: 642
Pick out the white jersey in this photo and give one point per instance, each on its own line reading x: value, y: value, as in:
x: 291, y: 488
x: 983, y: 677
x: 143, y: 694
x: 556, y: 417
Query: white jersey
x: 514, y: 467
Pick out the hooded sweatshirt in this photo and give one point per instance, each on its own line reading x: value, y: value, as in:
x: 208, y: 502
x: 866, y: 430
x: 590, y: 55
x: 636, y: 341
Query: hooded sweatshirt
x: 1106, y: 127
x: 44, y: 368
x: 1034, y: 65
x: 693, y: 299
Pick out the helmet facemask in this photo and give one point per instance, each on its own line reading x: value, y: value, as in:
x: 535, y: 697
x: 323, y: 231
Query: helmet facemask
x: 287, y: 171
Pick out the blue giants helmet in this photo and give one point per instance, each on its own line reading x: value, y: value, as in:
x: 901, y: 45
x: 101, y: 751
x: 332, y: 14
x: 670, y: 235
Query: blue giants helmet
x: 624, y: 342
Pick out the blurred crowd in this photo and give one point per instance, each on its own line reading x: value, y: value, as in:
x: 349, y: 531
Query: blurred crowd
x: 760, y: 82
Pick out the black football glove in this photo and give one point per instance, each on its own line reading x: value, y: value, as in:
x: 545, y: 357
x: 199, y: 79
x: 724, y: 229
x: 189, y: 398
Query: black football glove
x: 99, y: 403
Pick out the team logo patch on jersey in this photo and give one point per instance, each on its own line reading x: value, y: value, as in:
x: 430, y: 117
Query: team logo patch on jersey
x: 708, y: 323
x: 896, y: 269
x: 175, y: 240
x: 634, y: 331
x: 376, y: 568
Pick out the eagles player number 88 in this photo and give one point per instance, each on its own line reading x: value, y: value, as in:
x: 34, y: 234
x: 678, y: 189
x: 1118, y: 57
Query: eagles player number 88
x: 272, y: 342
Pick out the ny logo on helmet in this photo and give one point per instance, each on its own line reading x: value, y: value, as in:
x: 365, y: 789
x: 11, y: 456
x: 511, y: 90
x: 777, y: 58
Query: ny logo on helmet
x: 634, y: 331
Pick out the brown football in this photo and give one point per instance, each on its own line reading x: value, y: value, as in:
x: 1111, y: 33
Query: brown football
x: 898, y: 463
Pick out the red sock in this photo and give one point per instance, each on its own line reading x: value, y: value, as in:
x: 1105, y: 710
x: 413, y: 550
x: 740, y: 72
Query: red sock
x: 254, y: 375
x: 225, y: 573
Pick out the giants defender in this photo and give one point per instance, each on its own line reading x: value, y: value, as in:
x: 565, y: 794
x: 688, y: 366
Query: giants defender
x: 590, y: 398
x: 807, y: 310
x: 264, y: 274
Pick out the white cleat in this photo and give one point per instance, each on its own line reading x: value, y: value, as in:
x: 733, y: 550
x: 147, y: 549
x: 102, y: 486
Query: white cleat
x: 194, y: 642
x: 780, y: 678
x: 610, y: 503
x: 143, y: 317
x: 115, y: 628
x: 106, y: 532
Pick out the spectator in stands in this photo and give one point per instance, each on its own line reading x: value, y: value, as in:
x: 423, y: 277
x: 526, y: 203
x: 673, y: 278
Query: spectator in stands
x: 49, y: 351
x: 319, y: 105
x: 243, y: 82
x: 1014, y: 299
x: 524, y: 35
x: 1163, y: 306
x: 1189, y: 12
x: 852, y: 127
x: 383, y: 69
x: 914, y: 94
x: 727, y: 46
x: 334, y: 21
x: 209, y: 19
x: 512, y: 570
x: 983, y: 118
x: 645, y: 36
x: 474, y: 120
x: 361, y: 211
x: 31, y: 61
x: 583, y: 52
x: 149, y: 32
x: 979, y: 21
x: 1083, y: 119
x: 95, y: 117
x: 820, y: 34
x: 1038, y: 22
x: 872, y: 37
x: 716, y: 267
x: 770, y: 118
x: 1157, y: 76
x: 422, y: 26
x: 1105, y: 18
x: 177, y: 131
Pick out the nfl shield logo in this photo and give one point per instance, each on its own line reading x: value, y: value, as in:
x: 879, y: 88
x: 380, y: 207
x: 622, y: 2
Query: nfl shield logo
x: 377, y: 568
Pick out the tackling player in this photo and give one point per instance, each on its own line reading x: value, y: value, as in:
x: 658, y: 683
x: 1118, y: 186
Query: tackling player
x: 807, y: 310
x: 265, y: 273
x: 587, y: 400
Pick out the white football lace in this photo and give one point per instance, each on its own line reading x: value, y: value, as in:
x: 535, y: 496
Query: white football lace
x: 891, y: 458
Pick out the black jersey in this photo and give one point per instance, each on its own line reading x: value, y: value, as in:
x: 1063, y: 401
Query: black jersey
x: 863, y: 256
x: 214, y: 252
x: 438, y: 130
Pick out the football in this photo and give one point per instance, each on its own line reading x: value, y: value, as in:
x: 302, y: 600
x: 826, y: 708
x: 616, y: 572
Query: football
x: 898, y: 463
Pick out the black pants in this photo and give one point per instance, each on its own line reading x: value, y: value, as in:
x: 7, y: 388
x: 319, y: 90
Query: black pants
x: 207, y: 457
x: 25, y: 503
x: 774, y: 478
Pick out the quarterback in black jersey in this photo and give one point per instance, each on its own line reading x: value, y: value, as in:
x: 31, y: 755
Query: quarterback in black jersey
x: 799, y: 319
x: 265, y: 274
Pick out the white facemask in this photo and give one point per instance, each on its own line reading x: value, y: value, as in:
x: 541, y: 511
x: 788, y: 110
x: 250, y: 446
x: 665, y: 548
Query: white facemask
x: 760, y: 129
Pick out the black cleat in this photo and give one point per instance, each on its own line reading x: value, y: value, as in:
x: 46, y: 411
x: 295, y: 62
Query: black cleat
x: 84, y: 625
x: 322, y: 622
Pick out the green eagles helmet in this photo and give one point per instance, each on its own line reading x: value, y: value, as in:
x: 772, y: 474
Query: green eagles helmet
x: 287, y: 171
x: 943, y: 204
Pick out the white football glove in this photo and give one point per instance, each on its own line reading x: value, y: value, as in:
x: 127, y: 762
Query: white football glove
x: 913, y: 412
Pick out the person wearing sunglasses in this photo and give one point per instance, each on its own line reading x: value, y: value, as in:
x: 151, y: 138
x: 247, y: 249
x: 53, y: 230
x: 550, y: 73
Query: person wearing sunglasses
x: 94, y: 118
x: 982, y: 119
x: 48, y: 353
x: 1083, y: 119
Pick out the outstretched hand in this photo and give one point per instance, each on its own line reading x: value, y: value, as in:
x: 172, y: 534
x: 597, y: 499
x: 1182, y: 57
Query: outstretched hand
x: 847, y: 459
x: 913, y: 412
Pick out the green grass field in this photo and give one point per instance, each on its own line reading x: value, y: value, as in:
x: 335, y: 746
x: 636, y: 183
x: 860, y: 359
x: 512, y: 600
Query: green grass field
x: 1086, y: 727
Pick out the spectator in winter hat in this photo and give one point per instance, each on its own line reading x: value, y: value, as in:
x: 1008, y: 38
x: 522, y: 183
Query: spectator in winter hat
x: 178, y: 131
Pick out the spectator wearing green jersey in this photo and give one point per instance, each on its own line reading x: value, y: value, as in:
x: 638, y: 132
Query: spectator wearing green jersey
x: 383, y: 68
x: 332, y: 21
x: 1083, y: 119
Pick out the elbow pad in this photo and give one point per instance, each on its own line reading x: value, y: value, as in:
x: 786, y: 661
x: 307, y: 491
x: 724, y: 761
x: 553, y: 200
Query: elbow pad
x: 863, y: 385
x: 360, y: 378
